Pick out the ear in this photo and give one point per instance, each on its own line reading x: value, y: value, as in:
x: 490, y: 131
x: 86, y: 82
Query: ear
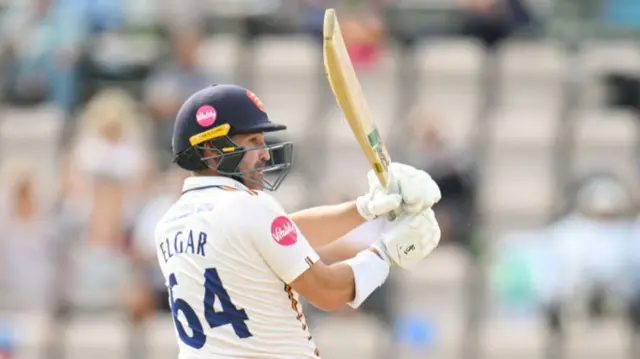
x: 213, y: 155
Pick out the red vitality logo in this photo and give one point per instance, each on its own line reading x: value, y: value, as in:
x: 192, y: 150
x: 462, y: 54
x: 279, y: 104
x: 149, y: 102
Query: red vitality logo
x: 283, y: 231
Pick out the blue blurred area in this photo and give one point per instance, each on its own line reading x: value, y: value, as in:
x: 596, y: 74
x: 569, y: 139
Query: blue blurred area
x: 416, y: 333
x: 621, y: 13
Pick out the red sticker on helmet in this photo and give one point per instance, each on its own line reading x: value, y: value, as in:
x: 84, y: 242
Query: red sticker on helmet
x: 283, y: 231
x: 206, y: 116
x: 256, y: 100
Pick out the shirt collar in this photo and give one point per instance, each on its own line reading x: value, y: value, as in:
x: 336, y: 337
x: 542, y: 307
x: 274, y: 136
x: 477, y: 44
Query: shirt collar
x: 194, y: 182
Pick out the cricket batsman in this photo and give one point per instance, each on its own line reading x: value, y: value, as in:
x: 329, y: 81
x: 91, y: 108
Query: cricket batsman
x: 235, y: 262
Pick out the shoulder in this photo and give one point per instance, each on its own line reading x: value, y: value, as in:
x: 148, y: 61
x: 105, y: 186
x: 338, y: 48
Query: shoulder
x: 228, y: 203
x: 256, y: 205
x: 254, y: 216
x: 266, y: 199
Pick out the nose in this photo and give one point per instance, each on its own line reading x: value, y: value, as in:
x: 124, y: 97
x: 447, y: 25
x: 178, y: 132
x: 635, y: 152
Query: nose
x: 265, y: 154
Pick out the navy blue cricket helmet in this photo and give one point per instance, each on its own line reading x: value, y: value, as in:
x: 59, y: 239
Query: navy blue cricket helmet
x: 207, y: 121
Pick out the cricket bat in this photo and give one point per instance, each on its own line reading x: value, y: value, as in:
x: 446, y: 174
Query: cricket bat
x: 350, y: 97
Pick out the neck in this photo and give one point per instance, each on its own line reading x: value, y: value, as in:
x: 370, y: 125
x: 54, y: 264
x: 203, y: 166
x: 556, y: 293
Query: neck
x: 204, y: 173
x: 212, y: 173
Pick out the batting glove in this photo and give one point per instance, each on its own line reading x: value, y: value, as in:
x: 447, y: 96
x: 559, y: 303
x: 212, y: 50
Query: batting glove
x: 413, y: 190
x: 410, y: 239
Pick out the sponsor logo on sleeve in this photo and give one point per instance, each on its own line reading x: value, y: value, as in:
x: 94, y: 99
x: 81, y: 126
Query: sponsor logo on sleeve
x: 283, y: 231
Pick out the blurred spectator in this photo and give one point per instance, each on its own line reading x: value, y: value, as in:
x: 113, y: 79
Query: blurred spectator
x: 452, y: 169
x: 185, y: 13
x: 582, y: 260
x: 104, y: 15
x: 7, y: 342
x: 100, y: 269
x: 577, y: 265
x: 172, y: 82
x: 590, y: 245
x: 312, y: 16
x: 45, y: 39
x: 105, y: 180
x: 634, y: 271
x: 28, y: 245
x: 361, y: 22
x: 492, y: 21
x: 364, y: 35
x: 622, y: 91
x: 112, y: 144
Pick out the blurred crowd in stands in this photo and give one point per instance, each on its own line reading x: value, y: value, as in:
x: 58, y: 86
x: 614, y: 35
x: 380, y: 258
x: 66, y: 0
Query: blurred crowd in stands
x: 119, y: 99
x: 84, y: 242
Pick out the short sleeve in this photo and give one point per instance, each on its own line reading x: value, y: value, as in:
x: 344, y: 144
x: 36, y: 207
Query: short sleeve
x: 279, y: 241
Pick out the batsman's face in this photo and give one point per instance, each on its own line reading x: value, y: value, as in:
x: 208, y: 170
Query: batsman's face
x: 255, y: 157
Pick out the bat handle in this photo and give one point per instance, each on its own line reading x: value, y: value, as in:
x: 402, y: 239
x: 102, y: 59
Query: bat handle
x: 393, y: 188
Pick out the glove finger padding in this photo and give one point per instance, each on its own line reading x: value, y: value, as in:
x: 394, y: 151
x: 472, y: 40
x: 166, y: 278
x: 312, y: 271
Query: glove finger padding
x: 377, y: 203
x: 419, y: 191
x: 381, y: 203
x: 431, y: 194
x: 411, y: 238
x: 411, y: 191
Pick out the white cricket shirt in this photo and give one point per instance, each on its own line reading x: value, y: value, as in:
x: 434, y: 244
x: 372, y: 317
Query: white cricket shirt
x: 227, y: 254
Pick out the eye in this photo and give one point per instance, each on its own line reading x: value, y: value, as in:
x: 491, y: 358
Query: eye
x: 256, y: 141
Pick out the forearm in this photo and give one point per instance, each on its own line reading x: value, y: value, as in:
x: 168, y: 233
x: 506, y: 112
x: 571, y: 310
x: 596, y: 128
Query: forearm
x: 323, y: 225
x: 366, y: 272
x: 353, y: 242
x: 341, y: 288
x: 339, y: 251
x: 352, y: 281
x: 330, y: 287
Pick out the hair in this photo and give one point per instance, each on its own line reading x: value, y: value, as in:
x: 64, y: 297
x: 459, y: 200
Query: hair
x: 109, y: 106
x: 113, y: 106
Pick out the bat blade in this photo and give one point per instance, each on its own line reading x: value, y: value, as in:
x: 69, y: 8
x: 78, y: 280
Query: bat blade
x: 350, y: 97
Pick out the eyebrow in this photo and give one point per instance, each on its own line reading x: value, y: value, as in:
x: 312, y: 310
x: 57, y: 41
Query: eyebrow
x: 256, y: 139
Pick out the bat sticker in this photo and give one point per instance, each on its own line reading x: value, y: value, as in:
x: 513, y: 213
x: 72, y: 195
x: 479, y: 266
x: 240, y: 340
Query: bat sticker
x: 376, y: 144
